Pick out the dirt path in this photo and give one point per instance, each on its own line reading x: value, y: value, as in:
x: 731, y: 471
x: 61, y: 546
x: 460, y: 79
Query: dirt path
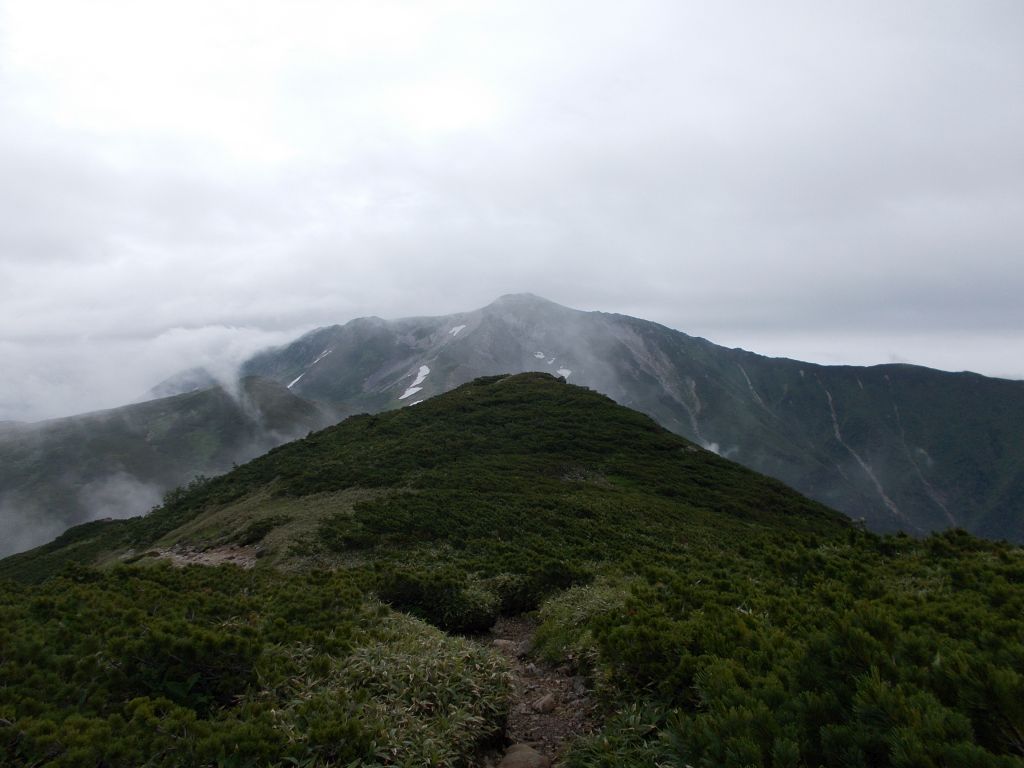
x: 236, y: 555
x: 550, y: 706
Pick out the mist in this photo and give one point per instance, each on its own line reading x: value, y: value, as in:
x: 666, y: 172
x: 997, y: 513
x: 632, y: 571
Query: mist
x: 50, y: 378
x: 24, y: 526
x: 119, y: 496
x: 26, y: 523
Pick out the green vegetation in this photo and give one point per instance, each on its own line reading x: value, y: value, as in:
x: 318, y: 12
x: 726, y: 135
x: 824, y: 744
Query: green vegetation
x: 722, y: 619
x: 864, y: 652
x: 218, y: 666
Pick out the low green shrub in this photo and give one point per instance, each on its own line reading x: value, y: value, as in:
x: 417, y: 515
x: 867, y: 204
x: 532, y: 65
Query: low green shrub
x: 161, y: 666
x: 567, y: 620
x: 445, y: 598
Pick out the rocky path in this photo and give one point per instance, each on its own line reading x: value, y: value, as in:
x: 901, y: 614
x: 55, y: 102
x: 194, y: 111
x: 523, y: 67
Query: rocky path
x: 244, y: 557
x: 550, y: 706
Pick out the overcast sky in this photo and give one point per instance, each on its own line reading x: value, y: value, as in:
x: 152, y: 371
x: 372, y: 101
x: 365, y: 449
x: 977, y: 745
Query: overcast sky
x: 183, y: 182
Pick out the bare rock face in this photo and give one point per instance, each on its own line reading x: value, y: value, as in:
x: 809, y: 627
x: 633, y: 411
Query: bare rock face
x: 523, y: 756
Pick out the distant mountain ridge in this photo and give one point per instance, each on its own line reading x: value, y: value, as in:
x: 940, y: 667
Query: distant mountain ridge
x: 120, y: 462
x: 901, y: 446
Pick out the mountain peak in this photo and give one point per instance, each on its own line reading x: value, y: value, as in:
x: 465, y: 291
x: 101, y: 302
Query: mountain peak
x: 519, y: 300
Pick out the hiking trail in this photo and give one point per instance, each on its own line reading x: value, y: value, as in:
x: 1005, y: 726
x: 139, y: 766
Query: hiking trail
x: 550, y: 705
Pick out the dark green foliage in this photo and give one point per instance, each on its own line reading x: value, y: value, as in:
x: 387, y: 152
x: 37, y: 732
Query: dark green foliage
x: 125, y: 666
x: 444, y: 598
x: 868, y: 653
x: 218, y: 666
x: 725, y: 620
x: 498, y: 435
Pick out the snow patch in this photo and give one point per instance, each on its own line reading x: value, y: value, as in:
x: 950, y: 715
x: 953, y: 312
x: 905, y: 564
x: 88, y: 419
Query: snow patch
x: 415, y: 402
x: 551, y: 361
x: 539, y: 355
x: 455, y: 331
x: 412, y: 390
x: 564, y: 372
x: 323, y: 354
x: 296, y: 380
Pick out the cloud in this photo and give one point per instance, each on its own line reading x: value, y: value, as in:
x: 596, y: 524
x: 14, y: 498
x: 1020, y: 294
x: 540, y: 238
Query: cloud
x: 49, y: 377
x: 26, y: 524
x: 24, y: 527
x: 119, y: 496
x: 831, y: 170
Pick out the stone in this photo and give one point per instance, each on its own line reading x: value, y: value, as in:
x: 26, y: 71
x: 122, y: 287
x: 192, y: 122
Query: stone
x: 523, y: 756
x: 544, y: 704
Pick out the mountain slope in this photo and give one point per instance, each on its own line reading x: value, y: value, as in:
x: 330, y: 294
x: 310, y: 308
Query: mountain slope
x: 904, y: 447
x: 502, y: 453
x: 711, y: 615
x: 120, y: 462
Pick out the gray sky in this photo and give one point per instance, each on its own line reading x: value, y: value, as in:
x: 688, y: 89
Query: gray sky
x: 181, y: 183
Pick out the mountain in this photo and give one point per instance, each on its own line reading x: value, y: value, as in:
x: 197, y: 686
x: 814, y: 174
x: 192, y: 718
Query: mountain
x: 701, y: 613
x: 186, y: 381
x: 120, y: 462
x: 493, y: 454
x: 903, y: 447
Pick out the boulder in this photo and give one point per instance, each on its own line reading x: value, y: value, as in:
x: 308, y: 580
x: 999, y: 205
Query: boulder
x: 544, y: 704
x: 523, y: 756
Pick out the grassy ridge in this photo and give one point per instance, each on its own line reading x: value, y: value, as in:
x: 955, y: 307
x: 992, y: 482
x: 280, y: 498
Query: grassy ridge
x: 723, y: 619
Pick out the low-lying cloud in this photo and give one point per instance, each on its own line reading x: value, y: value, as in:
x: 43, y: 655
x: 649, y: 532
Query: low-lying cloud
x: 119, y: 496
x: 25, y: 523
x: 24, y: 526
x: 47, y: 378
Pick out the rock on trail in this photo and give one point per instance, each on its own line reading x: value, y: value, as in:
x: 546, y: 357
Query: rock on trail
x: 549, y: 708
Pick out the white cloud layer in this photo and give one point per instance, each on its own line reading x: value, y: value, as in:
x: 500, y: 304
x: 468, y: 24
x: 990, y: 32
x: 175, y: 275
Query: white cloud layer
x: 842, y: 181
